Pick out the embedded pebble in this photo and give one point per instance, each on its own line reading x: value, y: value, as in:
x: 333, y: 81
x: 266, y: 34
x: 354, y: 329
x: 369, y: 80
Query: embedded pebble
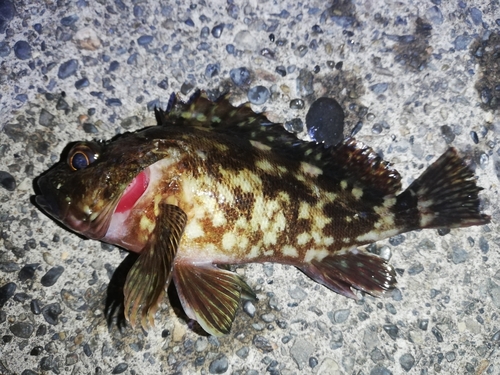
x: 6, y: 292
x: 7, y: 12
x: 379, y: 88
x: 262, y: 344
x: 4, y: 49
x: 51, y: 313
x: 22, y: 329
x: 46, y: 118
x: 69, y: 20
x: 217, y: 30
x: 304, y: 82
x: 219, y: 365
x: 339, y: 316
x: 407, y: 361
x: 392, y: 330
x: 120, y: 368
x: 67, y: 69
x: 28, y: 271
x: 296, y: 104
x: 301, y: 351
x: 458, y: 255
x: 243, y: 352
x: 325, y: 121
x: 22, y: 50
x: 297, y: 293
x: 145, y: 40
x: 52, y: 275
x: 81, y: 83
x: 7, y: 181
x: 258, y: 95
x: 295, y: 125
x: 380, y: 370
x: 240, y: 76
x: 337, y: 340
x: 249, y: 308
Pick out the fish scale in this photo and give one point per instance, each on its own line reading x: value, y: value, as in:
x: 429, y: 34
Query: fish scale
x: 215, y: 185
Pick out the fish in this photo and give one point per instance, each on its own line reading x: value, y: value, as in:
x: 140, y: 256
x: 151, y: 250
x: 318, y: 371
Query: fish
x: 214, y: 185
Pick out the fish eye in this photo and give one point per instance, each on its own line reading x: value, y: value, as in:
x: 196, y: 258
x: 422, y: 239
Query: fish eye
x: 82, y: 155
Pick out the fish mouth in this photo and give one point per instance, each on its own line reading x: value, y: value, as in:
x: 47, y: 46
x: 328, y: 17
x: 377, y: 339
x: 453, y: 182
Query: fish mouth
x: 133, y: 192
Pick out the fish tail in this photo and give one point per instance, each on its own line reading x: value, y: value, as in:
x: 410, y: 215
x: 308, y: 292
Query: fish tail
x: 444, y: 196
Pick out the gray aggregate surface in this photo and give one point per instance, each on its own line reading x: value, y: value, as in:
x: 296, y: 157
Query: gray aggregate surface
x: 412, y: 77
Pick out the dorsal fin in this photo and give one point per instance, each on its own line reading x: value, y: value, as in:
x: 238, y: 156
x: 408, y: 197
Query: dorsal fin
x: 350, y: 160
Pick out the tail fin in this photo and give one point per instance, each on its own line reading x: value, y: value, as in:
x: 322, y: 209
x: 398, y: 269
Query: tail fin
x: 444, y: 196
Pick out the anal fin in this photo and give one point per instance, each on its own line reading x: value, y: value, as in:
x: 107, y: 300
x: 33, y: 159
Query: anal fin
x: 210, y: 295
x: 357, y: 269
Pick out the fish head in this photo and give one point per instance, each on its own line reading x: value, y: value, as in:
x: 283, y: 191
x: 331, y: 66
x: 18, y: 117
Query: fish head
x: 90, y: 183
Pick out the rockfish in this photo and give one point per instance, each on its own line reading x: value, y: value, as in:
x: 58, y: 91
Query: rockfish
x: 214, y: 185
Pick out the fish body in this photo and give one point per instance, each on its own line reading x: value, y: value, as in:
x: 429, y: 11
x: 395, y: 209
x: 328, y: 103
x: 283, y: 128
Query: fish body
x: 214, y: 185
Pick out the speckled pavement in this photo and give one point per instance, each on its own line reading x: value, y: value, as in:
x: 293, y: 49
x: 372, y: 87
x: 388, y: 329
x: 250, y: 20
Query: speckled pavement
x: 412, y: 78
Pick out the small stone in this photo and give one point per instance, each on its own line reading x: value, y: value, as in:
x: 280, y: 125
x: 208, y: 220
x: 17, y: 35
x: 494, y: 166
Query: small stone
x: 297, y: 293
x: 437, y: 334
x: 258, y: 95
x: 71, y: 359
x: 22, y: 329
x: 87, y: 39
x: 163, y: 84
x: 35, y: 307
x: 380, y: 370
x: 212, y: 70
x: 296, y: 104
x: 120, y: 368
x: 325, y: 121
x: 90, y: 128
x: 281, y: 70
x: 22, y: 50
x: 458, y: 255
x: 304, y: 83
x: 28, y: 271
x: 217, y: 30
x: 81, y: 83
x: 145, y: 40
x: 434, y: 15
x: 301, y: 351
x: 339, y: 316
x: 113, y: 102
x: 4, y: 48
x: 52, y: 275
x: 219, y: 365
x: 476, y: 15
x: 392, y: 330
x: 113, y: 66
x: 67, y: 68
x: 407, y: 361
x: 6, y: 292
x: 51, y: 313
x: 46, y: 118
x: 415, y: 269
x: 240, y: 76
x: 337, y: 340
x: 7, y: 181
x: 249, y: 308
x: 295, y: 125
x: 379, y: 88
x: 243, y: 352
x: 262, y: 344
x: 7, y: 12
x: 69, y: 20
x: 201, y: 344
x: 462, y: 42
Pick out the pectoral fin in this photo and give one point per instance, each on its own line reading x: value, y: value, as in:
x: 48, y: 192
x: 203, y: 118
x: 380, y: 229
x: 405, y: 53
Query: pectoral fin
x: 151, y: 273
x: 210, y: 295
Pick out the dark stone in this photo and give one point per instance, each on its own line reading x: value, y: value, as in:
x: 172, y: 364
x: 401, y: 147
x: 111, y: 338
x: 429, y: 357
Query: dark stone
x: 392, y: 330
x: 7, y: 12
x: 114, y: 66
x: 138, y: 11
x: 67, y: 69
x: 189, y: 22
x: 262, y: 344
x: 258, y: 95
x: 325, y: 121
x: 379, y: 88
x: 38, y: 28
x: 144, y: 40
x: 281, y: 70
x: 6, y: 292
x: 35, y: 307
x: 28, y: 271
x: 4, y: 49
x: 217, y: 30
x: 212, y: 70
x: 46, y: 118
x: 163, y: 84
x: 240, y: 76
x: 81, y: 83
x: 51, y: 313
x: 7, y: 181
x: 120, y: 368
x: 113, y: 102
x: 22, y: 329
x: 62, y: 105
x: 22, y: 50
x: 294, y: 125
x: 69, y: 20
x: 219, y: 365
x: 52, y: 275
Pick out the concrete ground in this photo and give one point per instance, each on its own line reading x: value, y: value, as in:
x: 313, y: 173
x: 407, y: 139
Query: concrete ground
x: 413, y: 79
